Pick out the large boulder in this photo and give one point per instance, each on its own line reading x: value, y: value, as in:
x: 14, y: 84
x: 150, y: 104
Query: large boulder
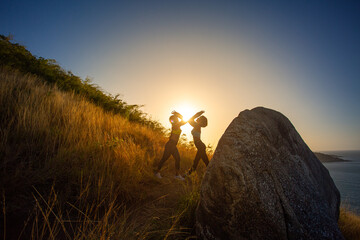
x: 265, y: 183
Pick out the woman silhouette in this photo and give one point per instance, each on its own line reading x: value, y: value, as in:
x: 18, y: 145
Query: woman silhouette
x: 200, y: 122
x: 170, y: 147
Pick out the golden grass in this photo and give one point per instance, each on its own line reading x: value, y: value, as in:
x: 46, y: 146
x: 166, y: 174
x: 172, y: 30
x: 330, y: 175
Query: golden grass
x: 69, y: 170
x: 349, y: 224
x: 83, y: 173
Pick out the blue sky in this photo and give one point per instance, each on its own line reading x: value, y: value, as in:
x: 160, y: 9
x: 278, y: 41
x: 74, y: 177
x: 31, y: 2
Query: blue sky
x: 307, y: 51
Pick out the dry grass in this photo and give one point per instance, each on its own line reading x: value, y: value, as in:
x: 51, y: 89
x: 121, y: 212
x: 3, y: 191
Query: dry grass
x: 69, y: 170
x: 349, y: 224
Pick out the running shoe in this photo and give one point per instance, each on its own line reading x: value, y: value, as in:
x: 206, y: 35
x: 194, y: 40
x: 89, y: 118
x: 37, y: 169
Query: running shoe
x: 178, y: 177
x: 158, y: 175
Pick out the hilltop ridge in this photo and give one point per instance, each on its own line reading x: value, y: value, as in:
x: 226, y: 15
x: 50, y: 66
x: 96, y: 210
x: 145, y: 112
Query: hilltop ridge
x: 16, y: 56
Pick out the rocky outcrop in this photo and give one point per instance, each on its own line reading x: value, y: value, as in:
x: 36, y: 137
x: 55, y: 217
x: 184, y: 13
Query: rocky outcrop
x: 265, y: 183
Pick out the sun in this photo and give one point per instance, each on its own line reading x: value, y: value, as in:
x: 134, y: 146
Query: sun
x: 187, y: 110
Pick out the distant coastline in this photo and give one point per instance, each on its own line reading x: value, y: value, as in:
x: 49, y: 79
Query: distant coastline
x: 329, y: 158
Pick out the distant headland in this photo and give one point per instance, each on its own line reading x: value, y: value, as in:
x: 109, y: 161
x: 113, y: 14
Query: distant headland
x: 329, y: 158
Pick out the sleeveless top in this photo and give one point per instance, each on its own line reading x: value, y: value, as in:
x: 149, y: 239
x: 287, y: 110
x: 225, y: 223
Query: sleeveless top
x: 196, y: 134
x: 175, y: 134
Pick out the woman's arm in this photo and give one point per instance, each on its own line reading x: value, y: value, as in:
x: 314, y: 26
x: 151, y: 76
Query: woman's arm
x: 198, y: 114
x: 182, y: 122
x: 191, y: 120
x: 177, y: 114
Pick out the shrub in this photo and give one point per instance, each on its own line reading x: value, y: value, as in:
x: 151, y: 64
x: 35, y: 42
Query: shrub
x: 15, y: 56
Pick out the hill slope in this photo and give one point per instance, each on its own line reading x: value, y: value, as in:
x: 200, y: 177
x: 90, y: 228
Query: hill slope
x: 16, y: 56
x: 76, y: 171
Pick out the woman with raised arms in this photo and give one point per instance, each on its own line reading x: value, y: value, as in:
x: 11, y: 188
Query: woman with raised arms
x: 170, y: 147
x: 198, y: 121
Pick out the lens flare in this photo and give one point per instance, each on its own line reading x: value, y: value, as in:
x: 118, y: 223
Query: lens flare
x: 187, y: 110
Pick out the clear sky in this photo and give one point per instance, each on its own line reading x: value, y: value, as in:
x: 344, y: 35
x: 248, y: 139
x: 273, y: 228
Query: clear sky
x: 301, y: 58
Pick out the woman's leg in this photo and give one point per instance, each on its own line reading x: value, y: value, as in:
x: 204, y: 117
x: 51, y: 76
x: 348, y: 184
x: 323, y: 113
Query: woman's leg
x: 196, y: 162
x: 200, y: 154
x: 176, y: 155
x: 204, y: 157
x: 166, y: 155
x: 202, y: 151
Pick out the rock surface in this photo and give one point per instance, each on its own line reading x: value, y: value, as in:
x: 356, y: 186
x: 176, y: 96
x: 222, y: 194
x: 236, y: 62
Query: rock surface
x: 265, y: 183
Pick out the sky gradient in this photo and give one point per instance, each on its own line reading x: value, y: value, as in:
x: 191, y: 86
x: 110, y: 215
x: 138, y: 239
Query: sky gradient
x: 300, y: 58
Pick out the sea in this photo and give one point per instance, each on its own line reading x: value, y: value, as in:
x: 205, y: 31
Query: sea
x: 346, y: 176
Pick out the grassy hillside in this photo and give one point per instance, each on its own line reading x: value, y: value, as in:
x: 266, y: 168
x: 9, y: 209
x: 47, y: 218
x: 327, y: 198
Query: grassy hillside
x: 71, y: 170
x: 16, y: 56
x: 76, y: 163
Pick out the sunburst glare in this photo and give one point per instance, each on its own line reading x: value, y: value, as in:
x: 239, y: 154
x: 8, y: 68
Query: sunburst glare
x: 187, y: 110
